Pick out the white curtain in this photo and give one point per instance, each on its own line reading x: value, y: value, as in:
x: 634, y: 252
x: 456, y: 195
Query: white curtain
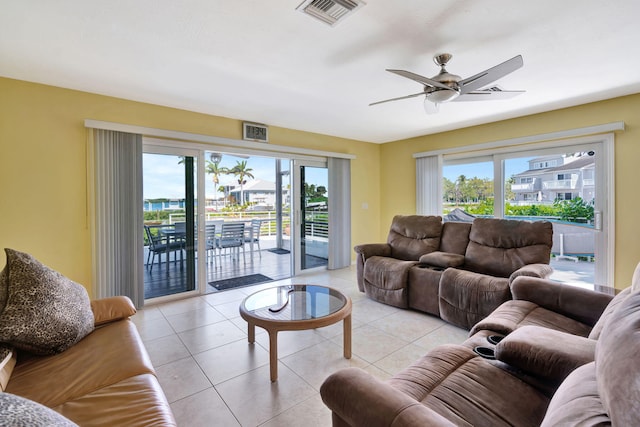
x: 339, y: 213
x: 117, y: 219
x: 429, y: 185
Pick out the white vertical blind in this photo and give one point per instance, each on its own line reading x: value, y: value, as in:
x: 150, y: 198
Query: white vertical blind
x: 429, y: 185
x: 117, y: 219
x: 339, y: 213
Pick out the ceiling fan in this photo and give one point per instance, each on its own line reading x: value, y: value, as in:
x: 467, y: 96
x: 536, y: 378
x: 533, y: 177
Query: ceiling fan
x: 447, y: 87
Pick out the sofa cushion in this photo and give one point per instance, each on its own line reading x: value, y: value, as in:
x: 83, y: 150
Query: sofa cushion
x: 617, y: 300
x: 411, y: 236
x: 608, y: 311
x: 576, y: 402
x: 455, y: 237
x: 517, y: 313
x: 468, y: 390
x: 385, y: 280
x: 618, y: 364
x: 45, y: 313
x: 135, y: 401
x: 465, y: 298
x: 108, y: 355
x: 18, y: 411
x: 498, y: 247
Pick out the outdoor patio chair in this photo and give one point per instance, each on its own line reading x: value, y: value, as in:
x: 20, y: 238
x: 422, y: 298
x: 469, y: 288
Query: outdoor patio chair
x: 253, y: 238
x: 210, y: 240
x: 158, y: 245
x: 231, y: 237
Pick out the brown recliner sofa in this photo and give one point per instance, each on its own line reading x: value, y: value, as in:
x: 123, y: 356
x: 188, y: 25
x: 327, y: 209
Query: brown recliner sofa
x: 106, y: 379
x: 540, y: 375
x: 455, y: 270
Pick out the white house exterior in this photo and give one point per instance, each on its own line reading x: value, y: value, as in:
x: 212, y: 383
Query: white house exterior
x: 558, y: 177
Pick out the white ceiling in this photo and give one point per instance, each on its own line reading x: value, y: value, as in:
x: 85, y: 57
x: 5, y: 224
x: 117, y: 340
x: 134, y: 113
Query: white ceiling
x: 263, y: 61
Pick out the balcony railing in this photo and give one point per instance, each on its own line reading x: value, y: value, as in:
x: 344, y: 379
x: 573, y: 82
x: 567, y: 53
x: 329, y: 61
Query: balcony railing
x: 522, y: 187
x: 316, y: 224
x: 560, y: 184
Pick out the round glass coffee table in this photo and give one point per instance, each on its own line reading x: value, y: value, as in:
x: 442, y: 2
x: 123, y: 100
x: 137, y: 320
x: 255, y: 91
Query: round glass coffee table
x: 294, y: 308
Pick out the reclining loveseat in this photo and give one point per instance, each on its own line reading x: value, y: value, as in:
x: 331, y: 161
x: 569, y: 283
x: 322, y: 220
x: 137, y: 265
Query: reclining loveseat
x: 458, y: 271
x: 538, y: 374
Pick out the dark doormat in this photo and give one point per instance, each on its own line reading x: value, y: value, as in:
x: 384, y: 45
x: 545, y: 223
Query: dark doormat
x: 236, y: 282
x: 278, y: 251
x: 311, y: 261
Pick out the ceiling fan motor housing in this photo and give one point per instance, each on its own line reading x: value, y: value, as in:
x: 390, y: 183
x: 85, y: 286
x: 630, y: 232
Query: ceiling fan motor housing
x: 439, y: 95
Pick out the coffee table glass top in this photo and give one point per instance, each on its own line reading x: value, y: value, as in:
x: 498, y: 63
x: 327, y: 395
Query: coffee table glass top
x: 294, y: 302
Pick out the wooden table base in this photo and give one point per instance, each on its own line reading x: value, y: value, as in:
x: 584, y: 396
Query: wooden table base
x: 273, y: 343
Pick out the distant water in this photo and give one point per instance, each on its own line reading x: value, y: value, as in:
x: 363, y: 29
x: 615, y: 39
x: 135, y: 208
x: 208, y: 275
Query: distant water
x: 163, y: 206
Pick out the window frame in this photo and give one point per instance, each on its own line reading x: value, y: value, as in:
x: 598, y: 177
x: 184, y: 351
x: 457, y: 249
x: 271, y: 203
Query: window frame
x: 499, y: 151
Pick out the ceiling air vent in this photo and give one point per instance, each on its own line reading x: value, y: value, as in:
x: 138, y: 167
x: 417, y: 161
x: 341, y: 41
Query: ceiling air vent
x: 329, y: 11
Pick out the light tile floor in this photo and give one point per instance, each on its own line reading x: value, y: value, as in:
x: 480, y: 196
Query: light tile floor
x: 213, y: 377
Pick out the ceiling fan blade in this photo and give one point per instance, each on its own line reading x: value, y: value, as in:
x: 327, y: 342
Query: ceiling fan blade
x: 397, y: 99
x: 420, y: 79
x: 492, y: 74
x: 494, y: 93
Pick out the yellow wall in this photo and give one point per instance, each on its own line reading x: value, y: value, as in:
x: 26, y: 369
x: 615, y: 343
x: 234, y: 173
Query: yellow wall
x: 43, y: 204
x: 398, y: 168
x: 43, y: 175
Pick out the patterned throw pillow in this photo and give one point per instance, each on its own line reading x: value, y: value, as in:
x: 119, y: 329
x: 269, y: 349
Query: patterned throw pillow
x: 16, y: 411
x: 45, y: 313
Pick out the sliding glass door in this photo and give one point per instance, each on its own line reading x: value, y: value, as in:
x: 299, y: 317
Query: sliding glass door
x: 311, y: 215
x: 170, y: 203
x: 192, y: 197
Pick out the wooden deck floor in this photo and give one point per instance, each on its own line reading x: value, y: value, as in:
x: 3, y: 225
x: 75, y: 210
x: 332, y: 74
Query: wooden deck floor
x: 159, y: 282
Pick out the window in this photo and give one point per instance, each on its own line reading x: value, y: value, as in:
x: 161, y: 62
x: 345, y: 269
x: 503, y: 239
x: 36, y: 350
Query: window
x: 468, y: 184
x: 545, y: 165
x: 525, y: 181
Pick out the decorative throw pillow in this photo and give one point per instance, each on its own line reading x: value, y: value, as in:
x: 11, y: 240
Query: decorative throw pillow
x: 16, y: 411
x: 45, y: 313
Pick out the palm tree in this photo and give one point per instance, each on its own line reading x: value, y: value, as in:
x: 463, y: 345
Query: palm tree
x: 214, y: 169
x: 241, y: 171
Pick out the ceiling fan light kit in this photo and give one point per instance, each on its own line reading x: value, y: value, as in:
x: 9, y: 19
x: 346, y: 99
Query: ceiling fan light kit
x: 447, y: 87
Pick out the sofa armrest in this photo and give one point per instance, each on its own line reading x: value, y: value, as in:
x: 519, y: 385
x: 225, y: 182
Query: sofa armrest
x: 360, y: 399
x: 368, y: 250
x: 541, y: 271
x: 544, y: 352
x: 442, y: 259
x: 583, y: 305
x: 112, y: 309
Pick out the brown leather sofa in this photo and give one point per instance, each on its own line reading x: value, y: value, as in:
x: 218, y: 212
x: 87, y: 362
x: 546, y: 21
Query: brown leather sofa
x: 106, y: 379
x: 536, y: 375
x: 458, y: 271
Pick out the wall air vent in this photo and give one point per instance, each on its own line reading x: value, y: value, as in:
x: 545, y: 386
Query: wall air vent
x: 329, y: 11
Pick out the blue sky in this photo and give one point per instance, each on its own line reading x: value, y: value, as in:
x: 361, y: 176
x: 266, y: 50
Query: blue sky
x: 163, y: 177
x: 485, y: 169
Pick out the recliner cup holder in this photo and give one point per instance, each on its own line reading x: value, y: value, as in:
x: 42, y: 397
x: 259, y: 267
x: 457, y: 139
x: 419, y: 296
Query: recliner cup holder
x: 495, y: 339
x: 485, y: 352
